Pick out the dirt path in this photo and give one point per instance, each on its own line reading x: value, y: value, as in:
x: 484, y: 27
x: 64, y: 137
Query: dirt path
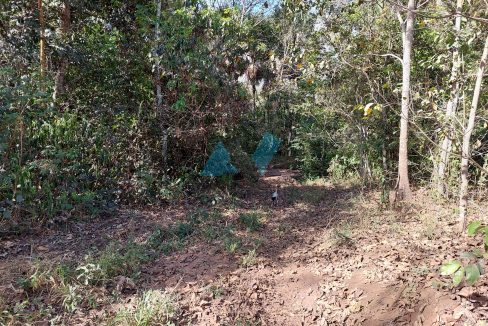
x: 325, y: 255
x: 330, y: 255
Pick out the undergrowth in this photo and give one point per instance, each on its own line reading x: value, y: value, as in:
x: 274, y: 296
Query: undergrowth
x: 73, y: 285
x: 153, y: 307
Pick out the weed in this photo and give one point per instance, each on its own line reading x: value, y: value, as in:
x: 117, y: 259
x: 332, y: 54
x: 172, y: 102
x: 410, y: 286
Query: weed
x: 65, y: 272
x: 249, y: 259
x: 421, y: 270
x: 154, y: 307
x: 257, y: 243
x: 283, y: 229
x: 396, y: 227
x: 117, y: 260
x: 89, y: 273
x: 182, y: 229
x: 169, y: 246
x: 71, y: 298
x: 158, y: 236
x: 232, y: 243
x: 318, y: 182
x: 216, y: 291
x: 92, y: 302
x: 37, y: 280
x: 430, y: 227
x: 342, y: 236
x: 216, y: 216
x: 252, y: 220
x: 210, y: 233
x: 198, y: 216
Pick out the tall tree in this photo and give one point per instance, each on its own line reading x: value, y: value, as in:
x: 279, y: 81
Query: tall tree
x: 403, y: 185
x: 65, y: 18
x: 466, y: 150
x: 446, y: 144
x: 157, y: 81
x: 157, y: 69
x: 42, y: 38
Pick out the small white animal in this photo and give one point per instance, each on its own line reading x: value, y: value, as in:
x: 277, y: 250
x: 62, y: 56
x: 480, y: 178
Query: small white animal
x: 274, y: 196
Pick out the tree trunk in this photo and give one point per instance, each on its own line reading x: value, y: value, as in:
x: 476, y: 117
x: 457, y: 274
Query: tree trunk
x: 403, y: 186
x: 365, y: 168
x: 384, y: 152
x: 42, y: 41
x: 466, y: 151
x: 157, y: 70
x: 59, y: 84
x: 159, y: 94
x: 451, y: 107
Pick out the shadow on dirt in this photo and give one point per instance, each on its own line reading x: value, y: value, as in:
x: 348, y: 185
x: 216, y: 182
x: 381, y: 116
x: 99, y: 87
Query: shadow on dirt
x: 302, y: 213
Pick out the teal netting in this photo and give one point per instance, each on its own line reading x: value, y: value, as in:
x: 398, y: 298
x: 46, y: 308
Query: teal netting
x: 267, y: 147
x: 218, y: 163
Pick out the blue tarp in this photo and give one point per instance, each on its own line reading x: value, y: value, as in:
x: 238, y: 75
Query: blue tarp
x: 218, y: 163
x: 267, y: 148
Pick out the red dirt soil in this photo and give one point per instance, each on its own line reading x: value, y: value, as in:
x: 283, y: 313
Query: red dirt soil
x: 328, y: 255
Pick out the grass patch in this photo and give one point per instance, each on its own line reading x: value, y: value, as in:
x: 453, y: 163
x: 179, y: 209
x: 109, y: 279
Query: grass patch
x: 154, y: 307
x: 232, y: 243
x: 430, y: 227
x: 252, y: 220
x: 70, y: 286
x: 216, y: 291
x: 117, y: 259
x: 342, y: 236
x: 210, y: 233
x: 182, y: 229
x: 249, y: 259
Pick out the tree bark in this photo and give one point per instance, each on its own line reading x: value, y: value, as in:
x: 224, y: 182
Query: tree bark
x: 157, y: 82
x: 157, y: 70
x: 42, y: 41
x: 365, y: 168
x: 59, y: 84
x: 466, y: 151
x: 451, y: 107
x: 403, y: 185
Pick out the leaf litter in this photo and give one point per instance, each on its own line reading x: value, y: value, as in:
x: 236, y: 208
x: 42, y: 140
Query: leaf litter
x: 327, y: 254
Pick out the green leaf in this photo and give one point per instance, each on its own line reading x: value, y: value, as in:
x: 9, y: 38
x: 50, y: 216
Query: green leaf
x: 473, y: 227
x: 450, y: 267
x: 477, y: 252
x: 480, y: 268
x: 468, y: 255
x: 458, y: 276
x: 472, y: 274
x: 486, y: 240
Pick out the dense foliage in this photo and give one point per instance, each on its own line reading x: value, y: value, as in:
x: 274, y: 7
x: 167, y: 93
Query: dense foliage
x: 324, y: 76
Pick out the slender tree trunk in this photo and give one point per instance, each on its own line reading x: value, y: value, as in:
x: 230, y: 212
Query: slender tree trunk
x: 384, y: 153
x: 42, y: 42
x: 365, y: 168
x: 466, y: 151
x: 59, y: 84
x: 451, y: 107
x: 157, y: 70
x: 157, y: 82
x: 403, y: 185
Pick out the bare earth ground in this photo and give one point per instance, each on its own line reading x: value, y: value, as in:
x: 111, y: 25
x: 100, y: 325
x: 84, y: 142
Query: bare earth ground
x: 326, y: 255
